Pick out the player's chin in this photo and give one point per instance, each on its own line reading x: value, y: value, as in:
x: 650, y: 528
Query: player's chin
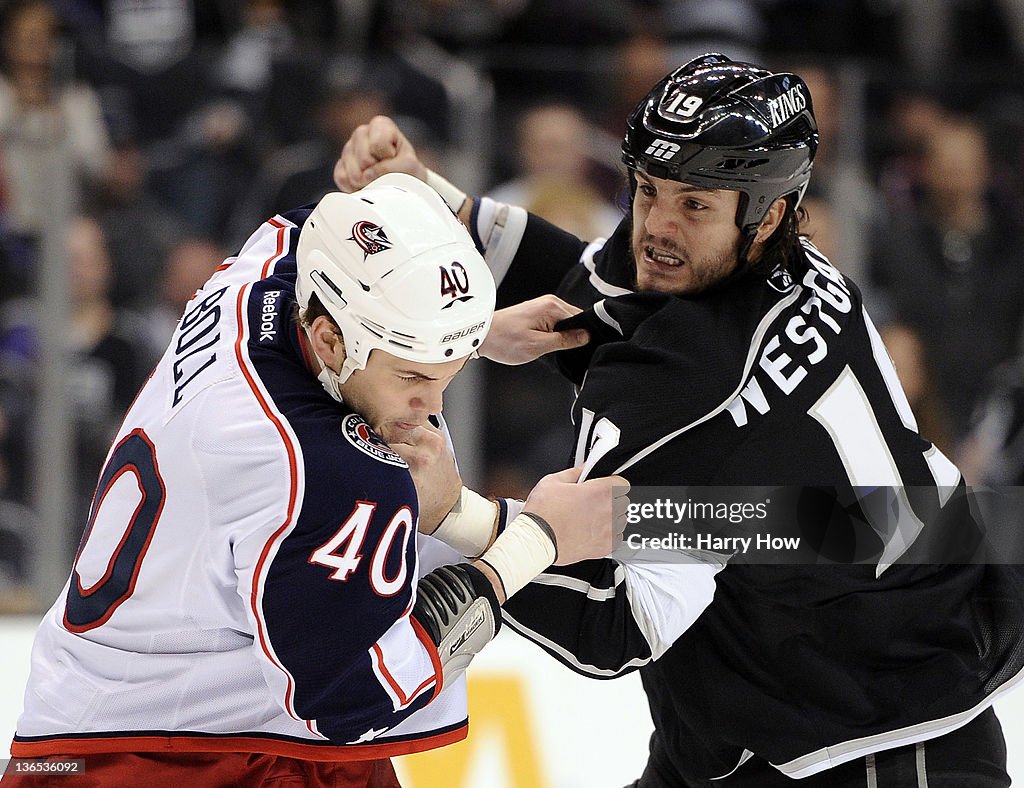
x: 663, y: 279
x: 396, y: 431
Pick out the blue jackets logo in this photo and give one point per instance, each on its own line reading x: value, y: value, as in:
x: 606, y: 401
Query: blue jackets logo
x: 370, y: 237
x: 359, y: 434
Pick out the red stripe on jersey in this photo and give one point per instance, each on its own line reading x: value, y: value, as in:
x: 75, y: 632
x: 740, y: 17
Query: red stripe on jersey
x: 404, y: 699
x: 137, y: 566
x: 185, y: 743
x: 282, y: 231
x: 431, y: 649
x: 292, y: 494
x: 124, y: 537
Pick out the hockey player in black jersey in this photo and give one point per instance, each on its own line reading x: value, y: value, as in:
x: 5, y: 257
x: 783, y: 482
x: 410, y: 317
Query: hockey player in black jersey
x: 728, y: 351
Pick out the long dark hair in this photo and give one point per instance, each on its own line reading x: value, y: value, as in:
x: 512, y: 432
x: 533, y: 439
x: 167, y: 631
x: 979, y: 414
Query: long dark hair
x: 783, y: 245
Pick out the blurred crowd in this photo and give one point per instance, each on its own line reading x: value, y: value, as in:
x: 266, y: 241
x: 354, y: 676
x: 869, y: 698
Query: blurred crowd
x: 172, y: 128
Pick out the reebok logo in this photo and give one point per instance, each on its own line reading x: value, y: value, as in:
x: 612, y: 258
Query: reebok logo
x: 268, y: 328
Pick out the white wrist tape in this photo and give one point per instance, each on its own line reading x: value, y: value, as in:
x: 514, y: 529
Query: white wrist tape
x: 450, y: 193
x: 500, y: 229
x: 523, y: 551
x: 469, y: 526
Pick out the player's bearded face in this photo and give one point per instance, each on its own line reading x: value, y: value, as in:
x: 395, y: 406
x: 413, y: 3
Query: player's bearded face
x: 685, y: 238
x: 395, y: 395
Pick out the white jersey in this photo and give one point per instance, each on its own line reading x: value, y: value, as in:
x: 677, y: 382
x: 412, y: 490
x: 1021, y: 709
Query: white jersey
x: 248, y: 570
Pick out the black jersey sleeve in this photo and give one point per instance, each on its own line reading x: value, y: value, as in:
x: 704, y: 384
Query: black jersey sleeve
x: 624, y: 614
x: 545, y: 254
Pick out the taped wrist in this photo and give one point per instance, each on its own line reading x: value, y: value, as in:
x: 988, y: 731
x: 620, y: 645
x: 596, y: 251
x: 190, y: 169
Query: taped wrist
x: 497, y: 230
x: 450, y: 193
x: 470, y: 525
x: 459, y: 610
x: 524, y: 550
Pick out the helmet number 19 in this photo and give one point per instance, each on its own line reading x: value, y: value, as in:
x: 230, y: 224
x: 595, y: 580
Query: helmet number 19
x: 684, y: 105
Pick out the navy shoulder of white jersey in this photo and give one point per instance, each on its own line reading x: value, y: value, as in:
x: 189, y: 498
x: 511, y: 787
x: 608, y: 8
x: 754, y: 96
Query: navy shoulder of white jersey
x: 357, y: 499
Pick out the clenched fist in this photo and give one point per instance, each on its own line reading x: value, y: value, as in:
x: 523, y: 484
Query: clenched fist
x: 588, y: 518
x: 376, y: 148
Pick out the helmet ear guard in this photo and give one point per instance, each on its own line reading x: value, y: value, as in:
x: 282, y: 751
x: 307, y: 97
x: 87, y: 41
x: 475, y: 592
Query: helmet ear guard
x: 397, y: 272
x: 722, y: 124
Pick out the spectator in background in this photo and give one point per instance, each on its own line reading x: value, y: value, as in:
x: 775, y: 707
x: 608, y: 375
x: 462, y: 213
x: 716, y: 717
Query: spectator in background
x: 576, y: 207
x: 939, y: 36
x: 140, y: 230
x: 107, y: 357
x: 912, y: 115
x: 819, y: 224
x: 531, y: 47
x: 456, y: 24
x: 641, y: 60
x: 196, y: 134
x: 840, y: 177
x: 52, y: 132
x: 693, y: 27
x: 263, y: 36
x: 105, y: 363
x: 17, y: 524
x: 16, y: 398
x: 145, y: 57
x: 209, y: 165
x: 554, y: 144
x: 950, y: 269
x: 189, y: 264
x: 301, y: 173
x: 267, y: 54
x: 908, y: 356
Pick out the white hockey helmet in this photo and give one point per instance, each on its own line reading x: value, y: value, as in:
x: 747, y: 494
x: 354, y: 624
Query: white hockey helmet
x: 397, y: 272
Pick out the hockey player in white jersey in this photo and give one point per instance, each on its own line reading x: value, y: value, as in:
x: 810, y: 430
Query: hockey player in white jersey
x: 248, y: 603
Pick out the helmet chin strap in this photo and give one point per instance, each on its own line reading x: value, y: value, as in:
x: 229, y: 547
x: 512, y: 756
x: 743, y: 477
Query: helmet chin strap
x: 329, y: 379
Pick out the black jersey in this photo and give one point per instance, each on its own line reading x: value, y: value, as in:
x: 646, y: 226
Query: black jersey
x: 763, y: 380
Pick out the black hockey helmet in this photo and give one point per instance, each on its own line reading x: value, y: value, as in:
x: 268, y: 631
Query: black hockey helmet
x: 722, y: 124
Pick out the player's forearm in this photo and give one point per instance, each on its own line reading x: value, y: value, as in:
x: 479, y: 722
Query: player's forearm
x: 456, y: 199
x: 459, y: 606
x: 496, y: 228
x: 624, y: 614
x: 472, y: 524
x: 476, y: 525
